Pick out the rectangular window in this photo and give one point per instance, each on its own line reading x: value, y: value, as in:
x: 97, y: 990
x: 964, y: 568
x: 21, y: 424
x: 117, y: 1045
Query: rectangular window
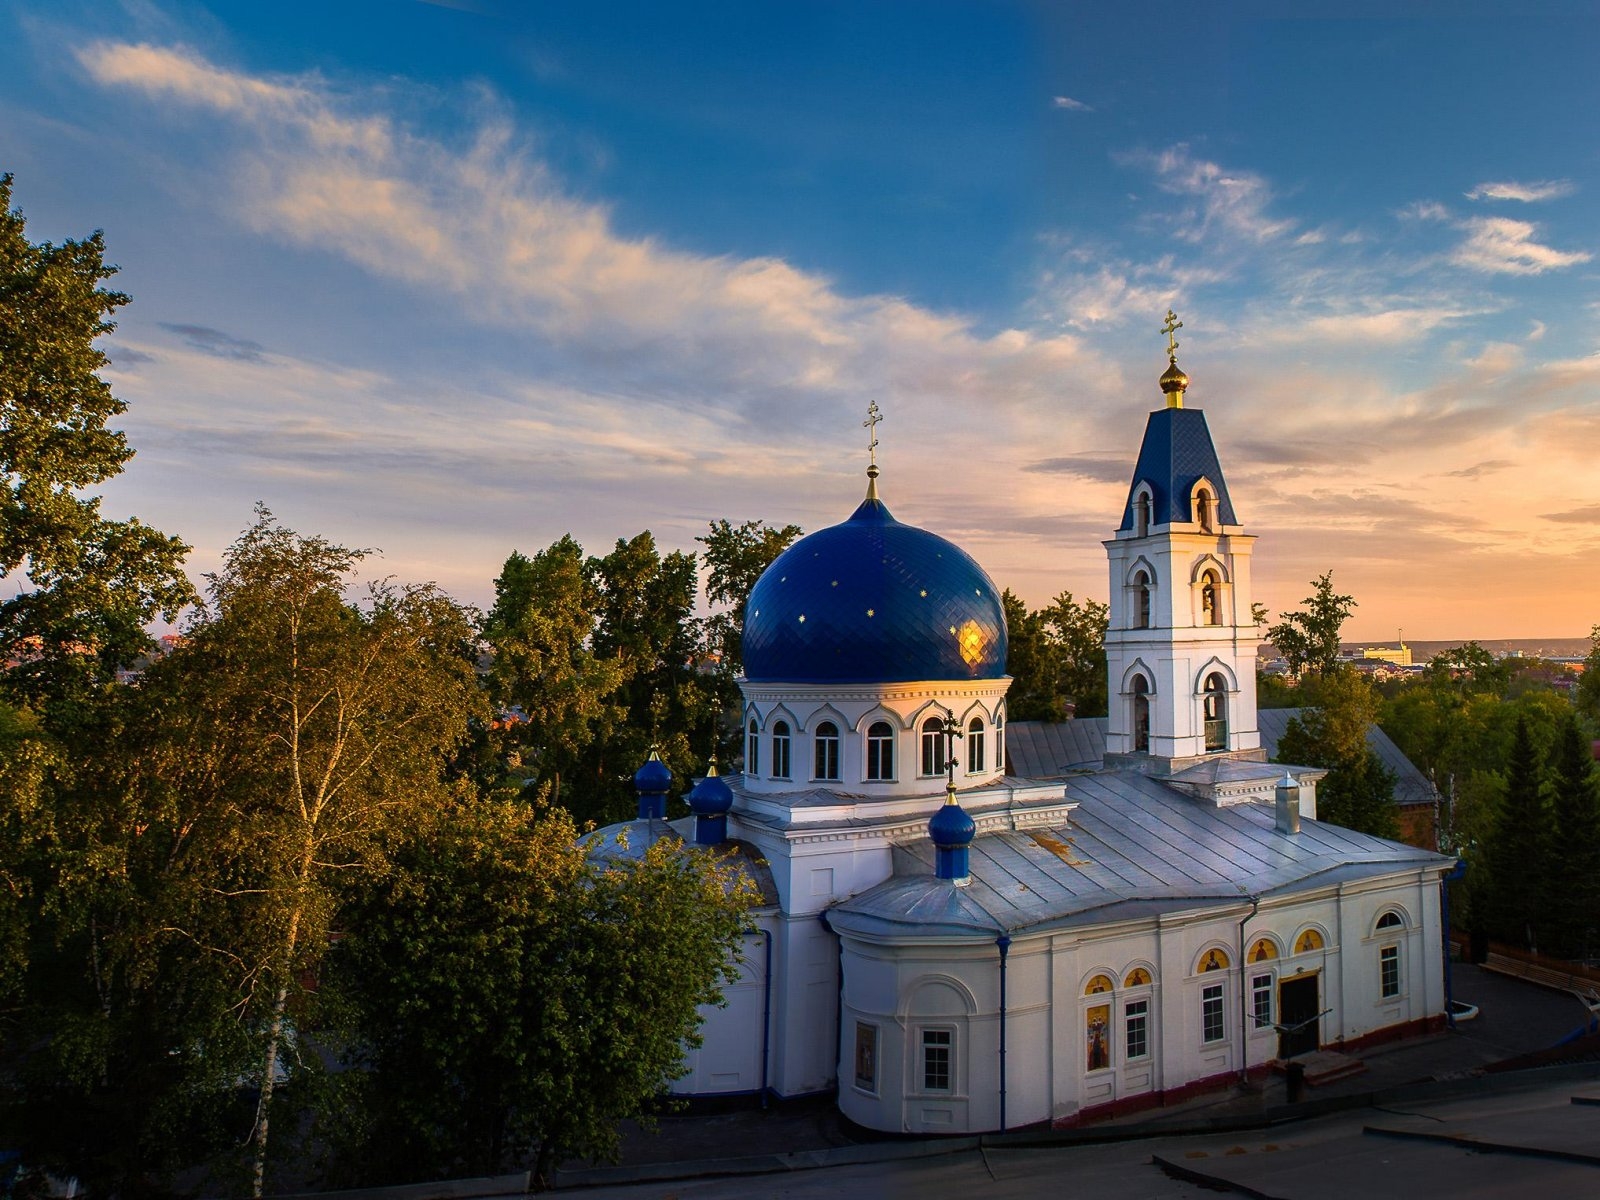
x: 1261, y: 1000
x: 933, y: 753
x: 936, y: 1047
x: 1136, y: 1022
x: 827, y: 756
x: 1389, y: 972
x: 975, y: 751
x: 1211, y: 1013
x: 866, y: 1056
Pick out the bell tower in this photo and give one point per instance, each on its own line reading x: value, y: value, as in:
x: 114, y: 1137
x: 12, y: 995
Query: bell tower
x: 1181, y: 641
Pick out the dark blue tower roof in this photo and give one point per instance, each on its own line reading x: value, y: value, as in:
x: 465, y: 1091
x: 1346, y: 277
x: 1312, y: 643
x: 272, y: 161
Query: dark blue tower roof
x: 1177, y: 452
x: 873, y: 601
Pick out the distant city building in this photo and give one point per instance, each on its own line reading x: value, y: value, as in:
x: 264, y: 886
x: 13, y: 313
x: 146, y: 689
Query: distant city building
x: 1130, y: 910
x: 1400, y: 656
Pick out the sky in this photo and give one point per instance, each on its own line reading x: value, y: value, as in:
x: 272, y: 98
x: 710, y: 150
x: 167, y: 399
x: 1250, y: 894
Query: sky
x: 454, y: 279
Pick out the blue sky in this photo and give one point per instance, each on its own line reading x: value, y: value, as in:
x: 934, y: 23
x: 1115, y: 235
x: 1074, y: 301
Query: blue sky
x: 453, y: 279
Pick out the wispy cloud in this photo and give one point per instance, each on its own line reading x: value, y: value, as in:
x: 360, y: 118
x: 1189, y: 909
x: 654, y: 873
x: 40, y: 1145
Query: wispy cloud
x: 1500, y: 245
x: 1548, y: 189
x: 1071, y: 105
x: 1108, y: 467
x: 1228, y: 201
x: 1589, y: 514
x: 1479, y: 470
x: 216, y: 343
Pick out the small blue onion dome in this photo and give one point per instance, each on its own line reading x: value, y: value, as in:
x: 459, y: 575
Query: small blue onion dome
x: 873, y: 601
x: 654, y: 776
x: 951, y: 828
x: 711, y: 797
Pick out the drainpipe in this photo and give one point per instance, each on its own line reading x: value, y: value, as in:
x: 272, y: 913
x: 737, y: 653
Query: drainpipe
x: 838, y: 1003
x: 1004, y: 942
x: 766, y: 1014
x: 1445, y: 880
x: 1244, y: 1017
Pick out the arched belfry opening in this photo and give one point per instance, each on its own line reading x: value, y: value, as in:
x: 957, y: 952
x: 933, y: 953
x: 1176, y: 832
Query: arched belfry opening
x: 1141, y: 715
x: 1214, y: 700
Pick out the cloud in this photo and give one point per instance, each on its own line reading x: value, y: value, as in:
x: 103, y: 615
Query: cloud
x: 1391, y: 326
x: 1230, y: 201
x: 1549, y: 189
x: 1478, y: 470
x: 125, y: 357
x: 216, y: 343
x: 1424, y: 210
x: 1499, y: 245
x: 1588, y: 515
x: 488, y: 222
x: 1098, y: 468
x: 1071, y: 105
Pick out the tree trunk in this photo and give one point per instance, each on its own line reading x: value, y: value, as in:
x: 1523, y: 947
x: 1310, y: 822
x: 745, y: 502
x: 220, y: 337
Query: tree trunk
x: 269, y: 1063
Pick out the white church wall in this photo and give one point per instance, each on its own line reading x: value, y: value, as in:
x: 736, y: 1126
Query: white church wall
x: 729, y: 1059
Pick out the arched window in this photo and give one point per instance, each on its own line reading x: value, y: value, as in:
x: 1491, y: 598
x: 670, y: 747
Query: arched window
x: 1138, y: 977
x: 1000, y: 741
x: 1141, y: 715
x: 1141, y: 515
x: 933, y: 746
x: 1202, y: 510
x: 827, y: 751
x: 1210, y: 599
x: 1263, y: 951
x: 1141, y: 600
x: 752, y: 750
x: 1100, y: 983
x: 975, y: 763
x: 1214, y: 960
x: 880, y: 751
x: 780, y: 750
x: 1308, y: 941
x: 1216, y: 711
x: 1391, y: 920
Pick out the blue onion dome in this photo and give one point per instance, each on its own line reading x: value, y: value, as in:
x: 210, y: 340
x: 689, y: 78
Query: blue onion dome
x: 873, y: 601
x: 654, y: 777
x: 951, y: 828
x: 712, y: 796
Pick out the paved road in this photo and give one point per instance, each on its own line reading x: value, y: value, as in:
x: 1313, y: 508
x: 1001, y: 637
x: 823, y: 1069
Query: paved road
x: 1503, y: 1146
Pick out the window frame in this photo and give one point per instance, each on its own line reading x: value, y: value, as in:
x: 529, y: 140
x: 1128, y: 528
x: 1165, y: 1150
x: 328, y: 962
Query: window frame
x: 1390, y: 986
x: 870, y: 1043
x: 1213, y: 1014
x: 926, y: 1042
x: 975, y: 747
x: 1142, y: 1003
x: 932, y: 742
x: 879, y: 764
x: 1262, y: 987
x: 752, y: 749
x: 825, y: 752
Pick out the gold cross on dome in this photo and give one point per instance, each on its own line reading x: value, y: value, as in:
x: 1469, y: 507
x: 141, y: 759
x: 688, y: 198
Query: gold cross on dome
x: 871, y: 424
x: 1171, y: 330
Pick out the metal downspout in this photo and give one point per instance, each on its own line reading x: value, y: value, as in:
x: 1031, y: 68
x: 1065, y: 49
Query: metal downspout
x: 1244, y: 1017
x: 766, y: 1014
x: 1004, y: 942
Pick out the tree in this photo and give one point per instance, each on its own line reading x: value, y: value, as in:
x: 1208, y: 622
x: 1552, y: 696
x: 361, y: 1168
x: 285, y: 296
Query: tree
x: 91, y: 584
x: 1055, y: 655
x: 541, y: 631
x: 511, y: 995
x: 1588, y: 695
x: 1574, y: 893
x: 1308, y: 638
x: 1469, y: 669
x: 1518, y: 857
x: 736, y: 555
x: 284, y: 744
x: 1331, y: 732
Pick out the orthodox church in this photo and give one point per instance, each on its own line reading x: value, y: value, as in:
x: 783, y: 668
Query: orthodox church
x: 949, y: 947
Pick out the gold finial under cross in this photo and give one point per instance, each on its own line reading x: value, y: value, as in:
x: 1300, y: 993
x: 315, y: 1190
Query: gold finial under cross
x: 1171, y: 330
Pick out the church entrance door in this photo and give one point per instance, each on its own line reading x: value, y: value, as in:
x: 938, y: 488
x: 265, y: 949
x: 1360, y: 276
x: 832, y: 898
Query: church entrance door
x: 1298, y: 1012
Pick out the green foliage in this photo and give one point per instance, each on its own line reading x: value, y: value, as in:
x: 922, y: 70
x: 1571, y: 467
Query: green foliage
x: 511, y: 996
x: 92, y: 584
x: 1055, y: 655
x: 1573, y: 917
x: 1588, y: 694
x: 1274, y: 691
x: 1358, y: 791
x: 736, y: 555
x: 1469, y: 669
x: 1308, y: 638
x: 1519, y: 854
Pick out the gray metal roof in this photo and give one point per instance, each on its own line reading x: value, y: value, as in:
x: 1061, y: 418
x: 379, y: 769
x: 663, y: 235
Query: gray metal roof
x: 627, y: 841
x: 1036, y: 750
x: 1135, y: 847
